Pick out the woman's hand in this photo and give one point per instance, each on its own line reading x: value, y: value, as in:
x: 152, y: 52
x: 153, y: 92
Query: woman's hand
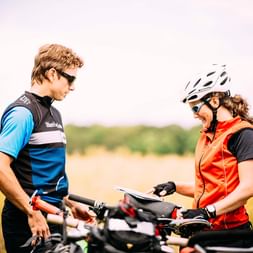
x: 164, y: 189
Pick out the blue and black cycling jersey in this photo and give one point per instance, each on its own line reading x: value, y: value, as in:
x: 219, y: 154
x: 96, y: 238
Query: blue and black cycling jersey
x: 32, y: 133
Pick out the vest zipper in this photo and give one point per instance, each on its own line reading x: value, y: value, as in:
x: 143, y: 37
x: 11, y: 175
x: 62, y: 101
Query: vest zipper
x: 203, y: 180
x: 200, y: 173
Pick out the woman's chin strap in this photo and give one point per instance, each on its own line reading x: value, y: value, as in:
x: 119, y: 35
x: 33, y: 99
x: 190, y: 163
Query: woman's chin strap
x: 213, y: 125
x: 214, y: 122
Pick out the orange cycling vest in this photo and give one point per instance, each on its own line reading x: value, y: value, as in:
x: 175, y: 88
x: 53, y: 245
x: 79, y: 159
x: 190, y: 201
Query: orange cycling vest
x: 217, y: 172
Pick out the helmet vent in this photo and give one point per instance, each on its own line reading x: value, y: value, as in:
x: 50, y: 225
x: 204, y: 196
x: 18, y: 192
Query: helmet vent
x: 224, y: 81
x: 223, y: 74
x: 211, y: 73
x: 197, y: 82
x: 187, y: 85
x: 208, y: 84
x: 192, y: 97
x: 192, y: 91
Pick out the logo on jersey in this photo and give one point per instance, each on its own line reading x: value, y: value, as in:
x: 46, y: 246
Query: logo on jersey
x: 25, y: 100
x: 53, y: 124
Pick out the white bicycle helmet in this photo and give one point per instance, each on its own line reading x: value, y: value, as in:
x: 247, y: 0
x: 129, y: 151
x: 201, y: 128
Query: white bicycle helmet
x: 214, y: 79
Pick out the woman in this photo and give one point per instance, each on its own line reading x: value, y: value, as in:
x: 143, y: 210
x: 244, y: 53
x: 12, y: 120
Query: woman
x: 223, y: 155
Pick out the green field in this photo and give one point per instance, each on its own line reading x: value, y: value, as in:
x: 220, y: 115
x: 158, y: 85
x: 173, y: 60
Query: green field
x: 96, y: 174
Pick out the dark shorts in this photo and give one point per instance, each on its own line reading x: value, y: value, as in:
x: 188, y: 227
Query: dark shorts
x: 240, y: 237
x: 16, y: 230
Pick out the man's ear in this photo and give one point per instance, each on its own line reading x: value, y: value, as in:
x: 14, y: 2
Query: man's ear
x: 51, y: 74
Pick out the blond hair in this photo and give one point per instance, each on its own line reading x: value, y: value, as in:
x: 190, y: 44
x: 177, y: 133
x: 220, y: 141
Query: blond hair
x: 53, y: 56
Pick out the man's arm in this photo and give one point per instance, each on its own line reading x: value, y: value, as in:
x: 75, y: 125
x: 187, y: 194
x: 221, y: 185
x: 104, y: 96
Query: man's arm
x: 17, y: 125
x: 11, y: 188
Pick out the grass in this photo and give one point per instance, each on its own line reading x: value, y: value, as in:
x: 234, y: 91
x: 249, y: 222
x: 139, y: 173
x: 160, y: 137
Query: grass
x: 97, y: 173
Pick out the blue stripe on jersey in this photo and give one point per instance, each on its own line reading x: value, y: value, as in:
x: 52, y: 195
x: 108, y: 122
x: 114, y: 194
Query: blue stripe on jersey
x: 17, y: 126
x: 47, y: 170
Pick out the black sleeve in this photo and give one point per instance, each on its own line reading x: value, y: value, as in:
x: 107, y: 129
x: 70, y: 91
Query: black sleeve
x: 241, y: 145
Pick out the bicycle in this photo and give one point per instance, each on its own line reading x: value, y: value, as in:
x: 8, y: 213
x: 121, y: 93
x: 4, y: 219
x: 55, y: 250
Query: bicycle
x: 143, y: 207
x: 139, y: 223
x: 194, y: 233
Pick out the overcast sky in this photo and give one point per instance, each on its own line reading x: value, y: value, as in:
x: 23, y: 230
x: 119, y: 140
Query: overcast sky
x: 139, y: 54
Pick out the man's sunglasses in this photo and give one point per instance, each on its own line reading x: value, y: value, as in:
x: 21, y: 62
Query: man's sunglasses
x: 196, y: 108
x: 70, y: 78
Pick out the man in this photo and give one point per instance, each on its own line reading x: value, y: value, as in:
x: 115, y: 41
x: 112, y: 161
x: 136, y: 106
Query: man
x: 32, y: 148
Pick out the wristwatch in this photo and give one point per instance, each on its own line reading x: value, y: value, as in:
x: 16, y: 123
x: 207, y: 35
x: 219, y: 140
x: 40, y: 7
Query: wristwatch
x: 211, y: 210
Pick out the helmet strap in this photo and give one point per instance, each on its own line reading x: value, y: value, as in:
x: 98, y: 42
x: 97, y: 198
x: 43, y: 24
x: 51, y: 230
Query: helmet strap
x: 214, y: 122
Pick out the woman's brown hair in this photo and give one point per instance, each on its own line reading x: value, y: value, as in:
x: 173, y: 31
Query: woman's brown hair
x: 237, y: 105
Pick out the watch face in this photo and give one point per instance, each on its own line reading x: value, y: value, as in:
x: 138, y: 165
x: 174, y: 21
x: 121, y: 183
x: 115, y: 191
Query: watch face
x: 211, y: 209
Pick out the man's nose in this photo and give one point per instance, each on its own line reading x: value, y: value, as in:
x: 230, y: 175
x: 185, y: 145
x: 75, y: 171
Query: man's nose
x: 72, y: 87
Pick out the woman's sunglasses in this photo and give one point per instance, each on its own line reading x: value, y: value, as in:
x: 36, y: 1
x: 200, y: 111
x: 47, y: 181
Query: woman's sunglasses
x: 196, y: 108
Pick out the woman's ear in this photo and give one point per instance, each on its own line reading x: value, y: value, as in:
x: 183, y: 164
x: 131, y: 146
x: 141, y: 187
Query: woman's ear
x: 215, y: 102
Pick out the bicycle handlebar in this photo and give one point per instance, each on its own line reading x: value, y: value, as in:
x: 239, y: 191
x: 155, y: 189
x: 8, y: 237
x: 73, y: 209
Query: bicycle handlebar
x: 180, y: 241
x: 70, y: 221
x: 81, y: 230
x: 39, y: 204
x: 98, y: 207
x: 87, y: 201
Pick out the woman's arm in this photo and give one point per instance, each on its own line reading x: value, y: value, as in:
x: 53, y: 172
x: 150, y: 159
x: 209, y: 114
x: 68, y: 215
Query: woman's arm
x: 242, y: 192
x: 186, y: 189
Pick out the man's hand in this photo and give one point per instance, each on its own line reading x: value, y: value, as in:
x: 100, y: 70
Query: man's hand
x: 38, y: 224
x: 80, y: 211
x: 164, y: 189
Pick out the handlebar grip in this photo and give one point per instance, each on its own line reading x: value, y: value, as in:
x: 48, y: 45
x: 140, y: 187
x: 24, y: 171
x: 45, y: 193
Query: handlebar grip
x: 89, y: 202
x: 39, y: 204
x: 172, y: 240
x: 57, y: 219
x: 80, y: 229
